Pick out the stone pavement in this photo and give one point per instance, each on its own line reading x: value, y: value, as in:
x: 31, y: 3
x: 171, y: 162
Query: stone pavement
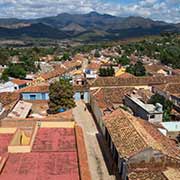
x: 96, y: 161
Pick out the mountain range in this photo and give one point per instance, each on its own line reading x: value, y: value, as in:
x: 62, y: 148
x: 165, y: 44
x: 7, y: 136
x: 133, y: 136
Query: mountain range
x: 86, y: 27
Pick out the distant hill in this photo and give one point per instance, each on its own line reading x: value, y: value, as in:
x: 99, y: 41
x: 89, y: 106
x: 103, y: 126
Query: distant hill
x: 91, y: 26
x: 34, y: 30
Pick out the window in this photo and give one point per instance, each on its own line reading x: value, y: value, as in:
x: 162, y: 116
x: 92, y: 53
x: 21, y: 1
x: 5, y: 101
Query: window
x: 32, y: 97
x: 152, y: 116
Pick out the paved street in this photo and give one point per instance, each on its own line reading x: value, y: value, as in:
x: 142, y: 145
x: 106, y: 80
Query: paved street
x: 96, y: 162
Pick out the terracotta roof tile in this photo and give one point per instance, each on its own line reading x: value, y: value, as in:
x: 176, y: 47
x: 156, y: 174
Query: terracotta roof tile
x: 72, y: 63
x: 52, y: 74
x: 154, y: 68
x: 20, y: 81
x: 147, y: 175
x: 131, y: 135
x: 124, y: 135
x: 41, y: 89
x: 172, y: 173
x: 9, y: 97
x: 171, y: 88
x: 106, y: 97
x: 136, y: 81
x: 126, y: 75
x: 94, y: 66
x: 155, y: 139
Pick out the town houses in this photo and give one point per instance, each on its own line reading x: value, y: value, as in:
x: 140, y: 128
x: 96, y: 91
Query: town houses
x: 139, y: 132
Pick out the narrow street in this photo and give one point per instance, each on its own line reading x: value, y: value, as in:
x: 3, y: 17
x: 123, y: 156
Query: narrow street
x: 97, y: 164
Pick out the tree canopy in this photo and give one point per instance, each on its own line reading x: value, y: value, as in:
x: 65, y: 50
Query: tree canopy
x: 14, y: 70
x: 97, y: 54
x: 28, y: 62
x: 66, y: 56
x: 167, y: 105
x: 61, y: 96
x: 124, y: 60
x: 138, y: 69
x: 106, y: 71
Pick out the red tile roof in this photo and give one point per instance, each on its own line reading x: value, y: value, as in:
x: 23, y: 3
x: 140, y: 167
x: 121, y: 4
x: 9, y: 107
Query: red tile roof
x: 136, y: 81
x: 171, y: 88
x: 132, y: 135
x: 7, y: 98
x: 35, y: 89
x: 124, y: 135
x: 106, y: 97
x: 73, y: 63
x: 154, y: 68
x: 58, y: 71
x: 20, y: 81
x: 94, y: 66
x: 126, y: 75
x: 147, y: 175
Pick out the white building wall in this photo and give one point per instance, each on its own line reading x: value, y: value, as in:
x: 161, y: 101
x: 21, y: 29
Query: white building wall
x: 8, y: 87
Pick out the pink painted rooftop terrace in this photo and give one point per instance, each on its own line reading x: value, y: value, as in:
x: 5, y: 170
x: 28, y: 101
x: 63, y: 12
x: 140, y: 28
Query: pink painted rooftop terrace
x: 4, y: 142
x: 53, y: 157
x: 55, y: 140
x: 41, y: 166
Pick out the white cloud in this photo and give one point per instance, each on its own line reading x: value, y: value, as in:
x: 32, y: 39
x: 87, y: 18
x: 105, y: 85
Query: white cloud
x: 167, y: 10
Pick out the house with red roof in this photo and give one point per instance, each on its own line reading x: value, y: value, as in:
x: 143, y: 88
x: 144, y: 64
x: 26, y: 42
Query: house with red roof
x: 33, y: 93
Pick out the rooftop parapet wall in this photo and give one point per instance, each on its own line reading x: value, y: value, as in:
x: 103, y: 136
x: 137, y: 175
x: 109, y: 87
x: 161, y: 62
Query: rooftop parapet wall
x: 57, y: 124
x: 7, y: 130
x: 82, y: 155
x: 30, y: 122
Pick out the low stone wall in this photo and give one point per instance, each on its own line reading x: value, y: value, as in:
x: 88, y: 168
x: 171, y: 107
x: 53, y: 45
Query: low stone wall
x: 82, y: 155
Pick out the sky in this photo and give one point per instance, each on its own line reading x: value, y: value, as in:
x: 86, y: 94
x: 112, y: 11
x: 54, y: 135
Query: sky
x: 165, y: 10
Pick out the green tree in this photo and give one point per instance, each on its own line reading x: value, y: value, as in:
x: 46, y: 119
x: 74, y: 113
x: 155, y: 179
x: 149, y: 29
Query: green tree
x: 97, y: 54
x: 130, y: 69
x: 104, y: 72
x: 61, y: 96
x: 4, y: 57
x: 5, y: 76
x: 138, y: 69
x: 167, y: 105
x: 66, y: 56
x: 28, y: 62
x: 124, y: 60
x: 16, y: 71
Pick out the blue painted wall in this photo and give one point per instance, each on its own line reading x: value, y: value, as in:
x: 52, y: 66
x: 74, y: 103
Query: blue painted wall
x: 35, y: 96
x: 45, y: 96
x: 77, y: 96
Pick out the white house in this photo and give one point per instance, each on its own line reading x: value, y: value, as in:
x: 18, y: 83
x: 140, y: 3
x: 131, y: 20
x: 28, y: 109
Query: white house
x: 8, y: 87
